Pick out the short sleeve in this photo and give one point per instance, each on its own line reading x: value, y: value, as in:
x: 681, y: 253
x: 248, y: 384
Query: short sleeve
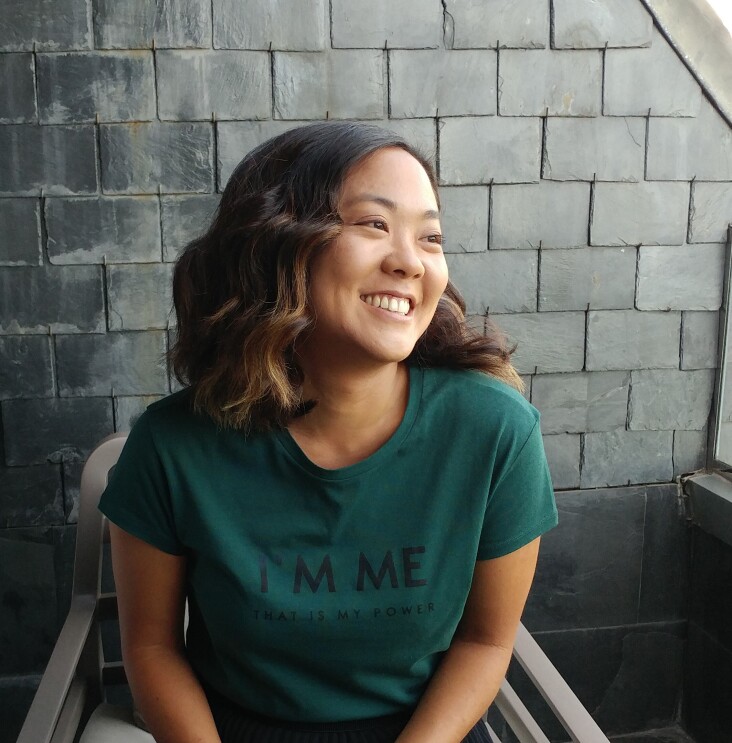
x: 137, y: 497
x: 521, y: 503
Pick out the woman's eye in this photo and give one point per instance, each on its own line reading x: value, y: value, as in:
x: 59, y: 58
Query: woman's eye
x: 378, y: 224
x: 436, y: 238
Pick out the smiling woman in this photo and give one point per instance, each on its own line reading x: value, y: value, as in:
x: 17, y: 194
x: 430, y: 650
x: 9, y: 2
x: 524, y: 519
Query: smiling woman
x: 242, y: 289
x: 389, y: 247
x: 373, y: 293
x: 350, y: 492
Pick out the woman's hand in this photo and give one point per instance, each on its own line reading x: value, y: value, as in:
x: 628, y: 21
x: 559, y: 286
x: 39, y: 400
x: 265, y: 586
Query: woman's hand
x: 473, y: 668
x: 151, y: 596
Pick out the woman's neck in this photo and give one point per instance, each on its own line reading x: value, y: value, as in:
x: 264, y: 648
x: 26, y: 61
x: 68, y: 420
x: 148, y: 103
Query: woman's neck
x: 354, y: 415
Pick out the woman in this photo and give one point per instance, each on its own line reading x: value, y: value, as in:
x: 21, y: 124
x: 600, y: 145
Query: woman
x: 347, y: 494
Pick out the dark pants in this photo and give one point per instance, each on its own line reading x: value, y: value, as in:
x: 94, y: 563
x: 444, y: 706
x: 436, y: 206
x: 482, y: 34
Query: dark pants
x: 236, y: 725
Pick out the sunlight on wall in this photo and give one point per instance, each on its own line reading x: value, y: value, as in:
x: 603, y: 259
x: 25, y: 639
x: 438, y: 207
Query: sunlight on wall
x: 723, y: 8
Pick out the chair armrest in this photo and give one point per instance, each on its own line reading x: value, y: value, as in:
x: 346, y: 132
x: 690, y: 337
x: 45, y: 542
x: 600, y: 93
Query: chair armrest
x: 518, y: 717
x: 576, y: 720
x: 49, y: 700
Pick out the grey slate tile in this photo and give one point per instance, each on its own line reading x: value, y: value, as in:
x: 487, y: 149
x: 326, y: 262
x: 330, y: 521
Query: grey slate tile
x: 589, y: 568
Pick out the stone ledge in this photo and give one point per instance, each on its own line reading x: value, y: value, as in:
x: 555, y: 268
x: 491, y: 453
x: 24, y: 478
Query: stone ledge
x: 710, y: 498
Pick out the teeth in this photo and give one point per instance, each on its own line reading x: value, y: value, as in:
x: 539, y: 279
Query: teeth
x: 392, y: 304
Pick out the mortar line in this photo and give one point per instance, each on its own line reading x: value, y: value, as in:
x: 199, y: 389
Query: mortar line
x: 498, y: 79
x: 45, y: 260
x: 105, y: 292
x: 215, y: 151
x: 602, y: 79
x: 155, y: 79
x: 388, y: 81
x: 114, y: 409
x: 647, y: 143
x: 272, y: 80
x: 591, y: 210
x: 160, y: 225
x: 211, y: 6
x: 581, y: 456
x: 448, y: 25
x: 438, y: 166
x: 35, y: 84
x: 544, y: 120
x: 489, y: 241
x: 587, y: 333
x: 330, y: 22
x: 552, y: 40
x: 538, y: 276
x: 168, y: 368
x: 690, y: 214
x: 682, y: 323
x: 98, y: 154
x: 54, y: 364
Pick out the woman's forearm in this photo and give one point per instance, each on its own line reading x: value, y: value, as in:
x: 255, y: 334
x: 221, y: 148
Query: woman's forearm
x: 169, y: 696
x: 461, y: 690
x: 471, y: 672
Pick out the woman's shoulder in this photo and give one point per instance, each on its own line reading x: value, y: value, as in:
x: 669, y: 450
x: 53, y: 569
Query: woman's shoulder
x: 172, y: 405
x: 474, y: 396
x: 172, y: 415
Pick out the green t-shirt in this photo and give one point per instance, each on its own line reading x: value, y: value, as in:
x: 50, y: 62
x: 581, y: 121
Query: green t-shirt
x: 320, y: 594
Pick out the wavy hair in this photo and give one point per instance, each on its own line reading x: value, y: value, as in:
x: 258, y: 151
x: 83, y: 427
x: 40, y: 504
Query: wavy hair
x: 240, y: 290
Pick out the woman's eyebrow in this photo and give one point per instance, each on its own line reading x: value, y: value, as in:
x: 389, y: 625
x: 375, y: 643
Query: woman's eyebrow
x: 388, y: 203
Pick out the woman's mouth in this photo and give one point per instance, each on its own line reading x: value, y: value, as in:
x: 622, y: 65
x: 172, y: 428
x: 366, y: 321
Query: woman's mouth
x: 388, y: 302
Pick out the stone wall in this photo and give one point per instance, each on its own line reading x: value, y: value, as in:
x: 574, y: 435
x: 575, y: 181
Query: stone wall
x: 708, y: 667
x: 587, y: 185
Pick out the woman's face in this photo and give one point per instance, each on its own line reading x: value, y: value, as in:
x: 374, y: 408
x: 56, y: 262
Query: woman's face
x: 375, y: 288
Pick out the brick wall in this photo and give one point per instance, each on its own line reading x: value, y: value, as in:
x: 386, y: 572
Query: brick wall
x: 587, y: 185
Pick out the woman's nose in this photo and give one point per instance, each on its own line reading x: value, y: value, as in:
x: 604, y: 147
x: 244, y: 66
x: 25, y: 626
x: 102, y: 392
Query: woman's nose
x: 403, y: 258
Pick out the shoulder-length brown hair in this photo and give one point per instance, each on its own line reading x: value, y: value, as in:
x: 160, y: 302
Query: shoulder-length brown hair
x: 241, y: 290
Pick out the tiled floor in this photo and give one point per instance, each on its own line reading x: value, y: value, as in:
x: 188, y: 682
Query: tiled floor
x: 665, y: 735
x: 673, y: 734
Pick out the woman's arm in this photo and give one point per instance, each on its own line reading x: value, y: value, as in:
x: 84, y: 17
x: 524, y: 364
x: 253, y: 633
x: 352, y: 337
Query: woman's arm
x: 151, y: 595
x: 473, y: 668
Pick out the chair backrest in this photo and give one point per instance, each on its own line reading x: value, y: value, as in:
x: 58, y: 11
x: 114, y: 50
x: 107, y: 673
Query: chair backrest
x: 72, y: 684
x: 90, y: 531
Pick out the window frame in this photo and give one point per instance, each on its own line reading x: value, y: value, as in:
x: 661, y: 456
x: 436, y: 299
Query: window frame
x: 716, y: 460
